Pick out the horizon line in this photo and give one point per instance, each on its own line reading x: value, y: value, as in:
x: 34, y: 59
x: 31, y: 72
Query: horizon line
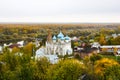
x: 59, y: 22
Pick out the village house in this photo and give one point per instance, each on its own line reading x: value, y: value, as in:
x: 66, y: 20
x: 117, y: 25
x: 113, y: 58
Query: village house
x: 12, y: 45
x: 111, y: 48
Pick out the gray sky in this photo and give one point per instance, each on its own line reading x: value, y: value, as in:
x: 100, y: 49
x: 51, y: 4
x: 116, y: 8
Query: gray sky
x: 59, y: 10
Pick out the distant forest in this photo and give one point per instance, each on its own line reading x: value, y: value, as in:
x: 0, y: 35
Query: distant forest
x: 28, y: 32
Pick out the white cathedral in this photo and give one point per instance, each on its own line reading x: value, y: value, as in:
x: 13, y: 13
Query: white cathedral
x: 56, y: 45
x: 60, y: 44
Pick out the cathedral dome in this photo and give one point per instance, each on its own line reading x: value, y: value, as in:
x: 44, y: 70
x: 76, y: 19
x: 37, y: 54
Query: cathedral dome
x: 60, y: 35
x: 62, y: 38
x: 67, y: 38
x: 54, y: 37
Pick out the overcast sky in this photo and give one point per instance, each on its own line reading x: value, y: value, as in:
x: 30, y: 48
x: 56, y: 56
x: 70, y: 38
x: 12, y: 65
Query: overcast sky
x: 59, y: 10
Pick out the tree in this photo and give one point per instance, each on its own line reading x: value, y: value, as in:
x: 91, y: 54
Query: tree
x: 89, y: 62
x: 66, y: 70
x: 102, y: 40
x: 117, y: 40
x: 112, y: 73
x: 95, y: 57
x: 104, y: 49
x: 101, y: 65
x: 28, y: 49
x: 15, y: 50
x: 42, y: 65
x: 76, y: 44
x: 115, y: 49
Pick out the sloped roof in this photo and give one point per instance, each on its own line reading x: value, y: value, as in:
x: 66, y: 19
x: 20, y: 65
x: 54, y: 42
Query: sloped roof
x: 110, y: 46
x: 14, y: 45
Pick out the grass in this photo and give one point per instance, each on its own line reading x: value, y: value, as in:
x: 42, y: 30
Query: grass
x: 116, y: 58
x: 110, y: 56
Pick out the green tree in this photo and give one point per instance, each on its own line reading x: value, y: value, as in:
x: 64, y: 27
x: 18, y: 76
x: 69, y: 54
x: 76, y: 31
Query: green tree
x: 112, y: 73
x: 76, y: 44
x: 66, y: 70
x: 42, y: 65
x: 28, y: 49
x: 89, y: 62
x: 15, y: 50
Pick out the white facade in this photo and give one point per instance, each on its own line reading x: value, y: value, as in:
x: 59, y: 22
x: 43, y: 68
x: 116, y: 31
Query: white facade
x: 21, y: 43
x: 95, y: 45
x: 60, y: 45
x: 110, y: 48
x: 1, y: 48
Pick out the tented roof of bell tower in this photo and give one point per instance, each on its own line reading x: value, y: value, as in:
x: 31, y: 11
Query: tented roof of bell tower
x: 49, y: 37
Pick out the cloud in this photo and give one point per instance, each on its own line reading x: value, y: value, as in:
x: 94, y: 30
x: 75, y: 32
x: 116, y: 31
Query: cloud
x: 13, y: 10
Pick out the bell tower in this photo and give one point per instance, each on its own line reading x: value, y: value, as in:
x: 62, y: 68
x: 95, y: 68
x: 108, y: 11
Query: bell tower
x: 49, y: 37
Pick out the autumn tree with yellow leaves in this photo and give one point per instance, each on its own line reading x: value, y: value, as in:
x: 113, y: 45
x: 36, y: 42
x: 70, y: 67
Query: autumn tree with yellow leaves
x: 102, y: 40
x: 101, y: 65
